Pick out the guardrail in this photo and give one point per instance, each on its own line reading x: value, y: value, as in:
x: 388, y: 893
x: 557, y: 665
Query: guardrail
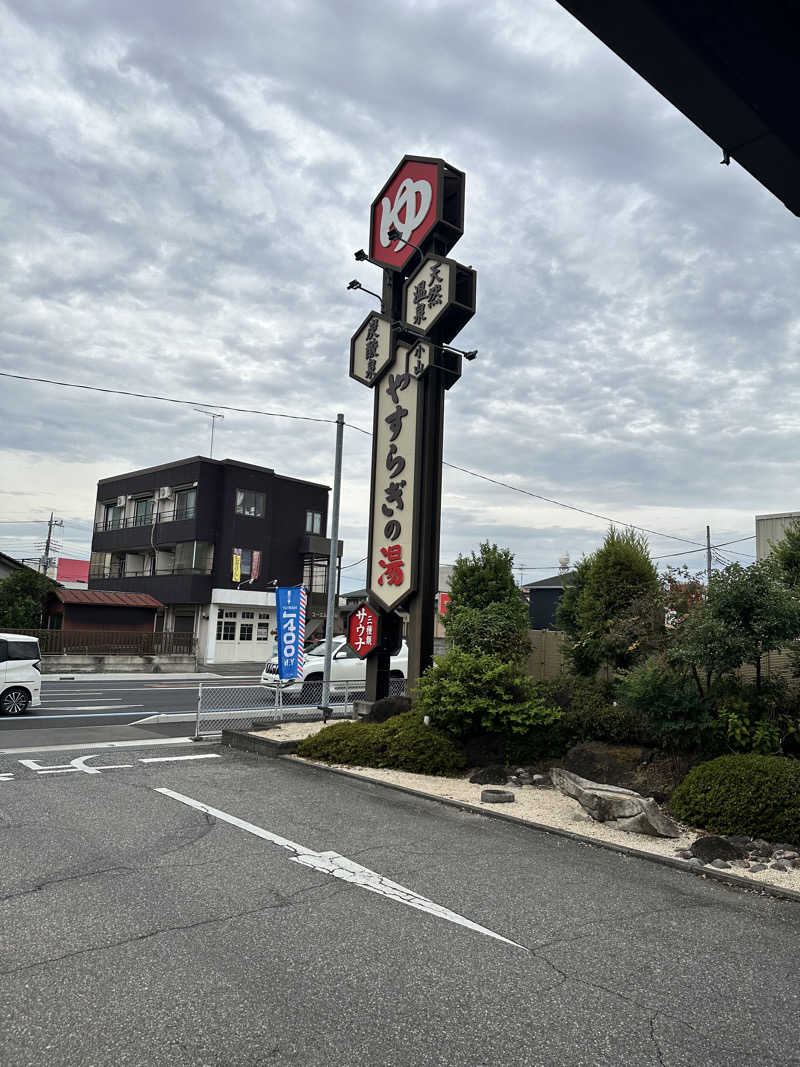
x: 237, y: 707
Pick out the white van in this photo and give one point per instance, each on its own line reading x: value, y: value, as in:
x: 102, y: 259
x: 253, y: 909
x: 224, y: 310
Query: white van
x: 346, y: 666
x: 20, y: 674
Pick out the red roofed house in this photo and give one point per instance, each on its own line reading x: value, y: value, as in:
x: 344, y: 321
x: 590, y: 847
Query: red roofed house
x: 96, y: 609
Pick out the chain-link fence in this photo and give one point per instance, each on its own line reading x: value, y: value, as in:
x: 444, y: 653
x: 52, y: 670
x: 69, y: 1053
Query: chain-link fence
x: 237, y: 707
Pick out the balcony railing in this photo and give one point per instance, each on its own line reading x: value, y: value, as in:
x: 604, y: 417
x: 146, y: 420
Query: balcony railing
x: 111, y: 642
x: 145, y: 572
x: 175, y: 513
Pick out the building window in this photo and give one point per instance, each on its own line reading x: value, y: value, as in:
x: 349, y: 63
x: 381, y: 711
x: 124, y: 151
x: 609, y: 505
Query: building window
x: 248, y: 615
x: 246, y: 631
x: 143, y: 512
x: 262, y: 633
x: 230, y: 614
x: 115, y: 516
x: 315, y: 575
x: 250, y: 503
x: 226, y: 631
x: 263, y: 614
x: 314, y: 522
x: 185, y: 501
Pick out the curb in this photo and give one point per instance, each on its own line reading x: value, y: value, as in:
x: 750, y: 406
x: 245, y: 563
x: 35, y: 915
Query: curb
x: 261, y: 746
x: 734, y: 880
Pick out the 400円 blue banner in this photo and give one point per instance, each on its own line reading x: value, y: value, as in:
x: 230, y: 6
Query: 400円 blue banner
x: 291, y: 603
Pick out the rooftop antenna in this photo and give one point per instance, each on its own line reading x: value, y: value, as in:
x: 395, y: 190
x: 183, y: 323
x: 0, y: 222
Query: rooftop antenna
x: 213, y: 415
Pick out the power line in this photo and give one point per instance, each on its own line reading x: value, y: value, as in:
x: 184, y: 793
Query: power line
x: 165, y: 399
x: 570, y: 507
x: 347, y: 566
x: 352, y: 426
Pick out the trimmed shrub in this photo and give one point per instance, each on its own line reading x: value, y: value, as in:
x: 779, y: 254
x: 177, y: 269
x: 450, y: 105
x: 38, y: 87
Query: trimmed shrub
x: 358, y: 743
x: 746, y: 794
x: 413, y: 746
x: 468, y: 694
x: 402, y: 743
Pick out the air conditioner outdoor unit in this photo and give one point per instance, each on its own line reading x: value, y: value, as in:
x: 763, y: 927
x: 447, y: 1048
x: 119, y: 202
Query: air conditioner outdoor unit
x: 164, y: 493
x: 121, y: 501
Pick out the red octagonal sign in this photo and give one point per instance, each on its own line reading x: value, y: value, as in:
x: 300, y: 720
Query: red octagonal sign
x: 423, y: 200
x: 363, y: 630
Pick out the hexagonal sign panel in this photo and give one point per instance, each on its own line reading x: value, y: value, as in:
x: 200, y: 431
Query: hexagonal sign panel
x: 423, y: 199
x: 363, y: 630
x: 439, y: 298
x: 371, y: 348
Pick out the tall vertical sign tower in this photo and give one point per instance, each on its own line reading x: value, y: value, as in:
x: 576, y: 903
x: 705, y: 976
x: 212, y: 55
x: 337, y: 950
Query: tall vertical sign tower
x: 403, y: 354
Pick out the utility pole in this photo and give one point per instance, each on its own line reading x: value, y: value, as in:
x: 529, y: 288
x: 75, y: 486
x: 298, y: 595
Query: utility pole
x: 45, y: 561
x: 333, y: 581
x: 708, y: 554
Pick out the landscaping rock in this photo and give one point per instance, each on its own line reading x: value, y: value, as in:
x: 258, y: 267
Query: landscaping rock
x: 715, y: 848
x: 756, y: 867
x: 652, y: 774
x: 494, y: 774
x: 387, y: 708
x: 759, y: 847
x: 540, y: 781
x: 695, y: 862
x: 740, y: 840
x: 721, y: 865
x: 497, y: 796
x: 778, y: 866
x: 683, y: 853
x: 621, y: 809
x: 514, y: 780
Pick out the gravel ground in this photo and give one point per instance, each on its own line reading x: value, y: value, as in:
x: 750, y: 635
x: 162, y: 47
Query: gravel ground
x: 533, y: 804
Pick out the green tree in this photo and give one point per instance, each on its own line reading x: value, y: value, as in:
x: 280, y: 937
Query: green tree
x: 22, y: 599
x: 487, y: 614
x: 613, y: 612
x: 748, y: 611
x: 786, y: 554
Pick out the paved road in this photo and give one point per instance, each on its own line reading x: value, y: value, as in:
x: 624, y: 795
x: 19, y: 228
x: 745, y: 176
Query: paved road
x: 138, y: 929
x: 92, y: 700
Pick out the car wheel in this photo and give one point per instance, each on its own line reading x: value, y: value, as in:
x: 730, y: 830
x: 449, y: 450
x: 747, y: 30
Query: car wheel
x: 15, y: 701
x: 396, y: 674
x: 313, y: 679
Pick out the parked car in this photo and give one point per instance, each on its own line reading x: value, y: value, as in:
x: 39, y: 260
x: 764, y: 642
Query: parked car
x: 20, y: 674
x: 346, y: 666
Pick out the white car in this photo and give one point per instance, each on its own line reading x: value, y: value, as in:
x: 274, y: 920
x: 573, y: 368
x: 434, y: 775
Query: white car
x: 346, y: 666
x: 20, y: 674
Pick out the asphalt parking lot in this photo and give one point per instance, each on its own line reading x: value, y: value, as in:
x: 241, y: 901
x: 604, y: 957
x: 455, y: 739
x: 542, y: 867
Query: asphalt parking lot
x: 314, y: 919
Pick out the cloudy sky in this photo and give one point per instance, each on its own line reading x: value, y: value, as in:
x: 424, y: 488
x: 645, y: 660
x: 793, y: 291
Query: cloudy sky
x: 184, y: 184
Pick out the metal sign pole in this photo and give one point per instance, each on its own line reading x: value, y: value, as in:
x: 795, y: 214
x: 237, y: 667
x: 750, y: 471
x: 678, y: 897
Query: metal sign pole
x: 334, y: 535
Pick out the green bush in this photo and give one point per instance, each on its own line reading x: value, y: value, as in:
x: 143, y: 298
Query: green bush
x: 746, y: 794
x: 403, y: 743
x: 672, y: 712
x: 467, y: 694
x: 589, y: 713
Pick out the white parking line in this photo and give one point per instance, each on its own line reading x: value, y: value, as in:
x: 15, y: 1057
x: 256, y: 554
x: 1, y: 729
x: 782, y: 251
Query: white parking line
x: 341, y: 867
x: 99, y: 707
x: 174, y: 759
x: 144, y: 743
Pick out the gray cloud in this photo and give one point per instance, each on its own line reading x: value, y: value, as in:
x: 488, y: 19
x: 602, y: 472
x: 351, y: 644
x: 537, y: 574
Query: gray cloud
x: 183, y: 190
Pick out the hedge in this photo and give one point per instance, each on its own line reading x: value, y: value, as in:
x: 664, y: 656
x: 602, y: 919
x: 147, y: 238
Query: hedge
x: 402, y: 743
x: 743, y: 794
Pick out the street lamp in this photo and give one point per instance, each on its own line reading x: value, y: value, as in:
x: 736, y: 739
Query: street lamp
x: 356, y: 284
x: 394, y: 235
